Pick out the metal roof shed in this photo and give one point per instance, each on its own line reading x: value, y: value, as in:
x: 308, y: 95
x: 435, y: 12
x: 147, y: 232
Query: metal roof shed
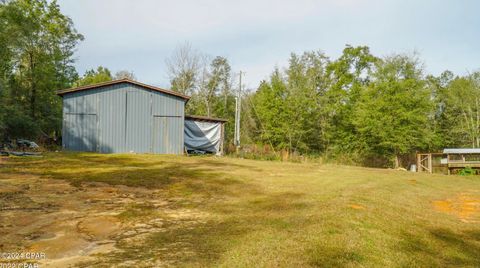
x: 123, y: 116
x: 452, y: 159
x: 462, y: 151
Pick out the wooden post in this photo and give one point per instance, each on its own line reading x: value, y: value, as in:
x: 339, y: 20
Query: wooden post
x: 430, y: 163
x: 222, y: 139
x: 425, y: 163
x: 419, y: 167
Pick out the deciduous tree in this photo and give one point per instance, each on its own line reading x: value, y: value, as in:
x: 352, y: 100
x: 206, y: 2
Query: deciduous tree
x: 392, y: 116
x: 124, y: 74
x: 92, y: 76
x: 183, y: 68
x: 461, y: 110
x: 36, y: 50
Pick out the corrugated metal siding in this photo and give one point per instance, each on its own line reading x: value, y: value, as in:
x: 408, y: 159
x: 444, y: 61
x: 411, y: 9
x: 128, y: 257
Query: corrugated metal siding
x: 112, y: 119
x: 139, y: 120
x: 81, y: 132
x: 165, y: 135
x: 167, y: 105
x: 125, y: 117
x: 82, y: 102
x: 168, y: 116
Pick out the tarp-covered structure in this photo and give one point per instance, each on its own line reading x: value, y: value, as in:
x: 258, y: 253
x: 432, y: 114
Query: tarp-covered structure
x: 204, y: 134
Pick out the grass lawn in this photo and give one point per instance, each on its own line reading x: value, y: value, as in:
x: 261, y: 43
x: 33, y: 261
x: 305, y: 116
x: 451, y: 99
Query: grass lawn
x: 208, y: 211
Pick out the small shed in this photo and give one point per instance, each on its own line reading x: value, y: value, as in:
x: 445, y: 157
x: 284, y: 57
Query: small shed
x: 123, y: 116
x: 204, y: 134
x: 460, y: 158
x: 450, y: 160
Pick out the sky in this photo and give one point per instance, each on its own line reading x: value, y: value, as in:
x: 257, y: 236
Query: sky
x: 258, y: 35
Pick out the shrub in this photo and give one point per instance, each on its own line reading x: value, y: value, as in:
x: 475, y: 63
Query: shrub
x: 467, y: 171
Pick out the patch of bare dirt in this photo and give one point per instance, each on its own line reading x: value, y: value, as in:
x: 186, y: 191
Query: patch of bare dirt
x: 358, y: 207
x: 77, y: 225
x: 99, y: 227
x: 465, y: 206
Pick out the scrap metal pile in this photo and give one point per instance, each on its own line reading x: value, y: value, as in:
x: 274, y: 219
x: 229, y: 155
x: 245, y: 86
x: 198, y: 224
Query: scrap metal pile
x: 20, y: 147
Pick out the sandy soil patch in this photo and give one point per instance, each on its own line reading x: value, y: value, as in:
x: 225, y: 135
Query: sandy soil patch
x: 465, y: 206
x: 100, y: 227
x: 356, y: 206
x: 74, y: 225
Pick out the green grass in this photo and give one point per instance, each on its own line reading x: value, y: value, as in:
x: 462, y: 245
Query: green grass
x: 262, y: 213
x: 136, y: 211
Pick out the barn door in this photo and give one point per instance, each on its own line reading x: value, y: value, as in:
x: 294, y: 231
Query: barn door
x: 138, y: 125
x: 167, y: 135
x: 82, y: 132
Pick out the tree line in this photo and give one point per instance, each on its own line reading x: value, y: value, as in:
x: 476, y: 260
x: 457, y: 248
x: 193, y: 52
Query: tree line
x: 358, y: 107
x: 354, y: 107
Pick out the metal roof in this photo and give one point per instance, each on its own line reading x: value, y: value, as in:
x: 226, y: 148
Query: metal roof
x: 204, y: 118
x: 169, y: 92
x: 462, y: 151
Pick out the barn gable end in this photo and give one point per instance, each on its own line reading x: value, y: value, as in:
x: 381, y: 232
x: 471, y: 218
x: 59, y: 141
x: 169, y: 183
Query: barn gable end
x: 123, y: 116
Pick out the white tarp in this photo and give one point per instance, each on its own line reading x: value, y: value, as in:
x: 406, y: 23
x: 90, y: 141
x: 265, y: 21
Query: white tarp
x: 203, y: 136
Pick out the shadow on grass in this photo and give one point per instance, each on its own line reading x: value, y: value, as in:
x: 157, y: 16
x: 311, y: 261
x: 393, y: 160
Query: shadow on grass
x: 203, y: 244
x: 260, y: 203
x: 200, y: 245
x: 210, y: 162
x: 334, y: 256
x: 79, y: 160
x: 185, y: 177
x: 249, y: 208
x: 442, y: 247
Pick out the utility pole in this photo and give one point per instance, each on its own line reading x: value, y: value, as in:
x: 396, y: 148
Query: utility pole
x: 238, y: 108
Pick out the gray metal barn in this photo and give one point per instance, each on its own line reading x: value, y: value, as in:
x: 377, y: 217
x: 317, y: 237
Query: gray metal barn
x: 123, y: 116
